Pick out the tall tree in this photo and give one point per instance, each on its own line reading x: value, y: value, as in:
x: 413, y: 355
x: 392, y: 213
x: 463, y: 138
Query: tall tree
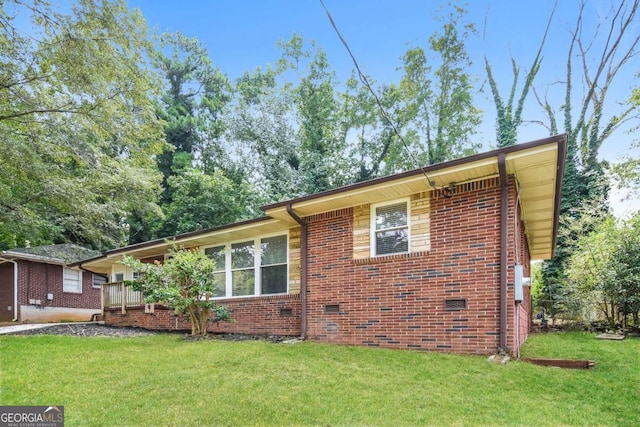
x: 191, y: 107
x: 431, y: 111
x: 440, y: 98
x: 287, y: 115
x: 587, y: 117
x: 77, y: 125
x: 509, y: 113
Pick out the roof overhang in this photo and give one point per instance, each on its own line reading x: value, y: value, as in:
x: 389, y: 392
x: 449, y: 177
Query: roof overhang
x: 13, y: 255
x: 538, y: 167
x: 154, y: 248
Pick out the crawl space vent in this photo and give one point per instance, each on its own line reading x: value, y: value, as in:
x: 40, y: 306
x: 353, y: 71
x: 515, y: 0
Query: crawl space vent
x: 455, y: 304
x: 332, y: 308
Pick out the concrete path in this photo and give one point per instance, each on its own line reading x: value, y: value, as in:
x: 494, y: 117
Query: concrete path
x: 28, y: 326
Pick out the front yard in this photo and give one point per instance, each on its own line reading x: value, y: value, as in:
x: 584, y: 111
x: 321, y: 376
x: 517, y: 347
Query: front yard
x: 163, y: 380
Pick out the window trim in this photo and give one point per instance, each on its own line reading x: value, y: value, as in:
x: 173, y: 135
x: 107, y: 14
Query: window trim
x: 373, y: 230
x: 65, y: 288
x: 93, y: 281
x: 257, y: 265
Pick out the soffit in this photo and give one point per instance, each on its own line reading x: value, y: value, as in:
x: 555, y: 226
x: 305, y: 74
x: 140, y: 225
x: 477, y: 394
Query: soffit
x: 239, y: 232
x: 535, y: 169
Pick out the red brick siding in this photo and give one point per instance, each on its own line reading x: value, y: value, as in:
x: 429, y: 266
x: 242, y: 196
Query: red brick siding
x: 36, y: 280
x: 399, y: 301
x: 259, y: 315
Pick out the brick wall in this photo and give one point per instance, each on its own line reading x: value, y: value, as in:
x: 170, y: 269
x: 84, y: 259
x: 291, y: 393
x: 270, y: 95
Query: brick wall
x: 265, y: 315
x: 36, y: 280
x: 399, y: 301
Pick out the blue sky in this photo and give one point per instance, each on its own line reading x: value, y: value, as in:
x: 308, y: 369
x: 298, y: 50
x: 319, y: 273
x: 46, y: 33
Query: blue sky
x: 243, y: 35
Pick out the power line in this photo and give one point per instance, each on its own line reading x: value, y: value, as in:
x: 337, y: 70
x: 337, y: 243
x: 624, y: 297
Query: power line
x: 365, y: 81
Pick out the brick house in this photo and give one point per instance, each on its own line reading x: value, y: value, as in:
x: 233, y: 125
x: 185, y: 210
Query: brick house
x: 36, y: 285
x: 431, y: 259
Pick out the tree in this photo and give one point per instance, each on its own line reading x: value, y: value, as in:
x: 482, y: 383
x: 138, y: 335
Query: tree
x: 604, y: 271
x: 292, y: 126
x: 185, y: 282
x: 440, y: 100
x: 203, y: 201
x: 586, y: 117
x: 77, y: 124
x: 509, y: 113
x: 191, y: 107
x: 430, y: 112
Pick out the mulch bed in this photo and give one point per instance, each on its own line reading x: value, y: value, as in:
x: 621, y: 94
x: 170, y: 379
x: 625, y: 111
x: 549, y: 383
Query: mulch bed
x: 99, y: 330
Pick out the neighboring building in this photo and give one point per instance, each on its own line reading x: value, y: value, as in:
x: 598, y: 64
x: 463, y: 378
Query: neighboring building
x: 36, y: 285
x: 431, y: 259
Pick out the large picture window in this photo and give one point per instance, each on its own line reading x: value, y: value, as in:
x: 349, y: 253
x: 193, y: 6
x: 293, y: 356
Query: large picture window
x: 254, y: 267
x: 390, y: 228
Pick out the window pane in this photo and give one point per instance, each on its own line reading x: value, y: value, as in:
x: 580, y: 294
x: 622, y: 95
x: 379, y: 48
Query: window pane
x: 274, y: 279
x: 242, y: 255
x: 391, y: 216
x: 71, y: 281
x: 274, y: 250
x: 392, y: 242
x: 243, y: 282
x: 217, y: 255
x: 219, y: 284
x: 98, y: 281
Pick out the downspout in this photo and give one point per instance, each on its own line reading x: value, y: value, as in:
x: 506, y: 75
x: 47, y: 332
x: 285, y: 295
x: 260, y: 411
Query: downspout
x: 15, y: 288
x: 303, y: 271
x: 504, y: 211
x: 93, y: 316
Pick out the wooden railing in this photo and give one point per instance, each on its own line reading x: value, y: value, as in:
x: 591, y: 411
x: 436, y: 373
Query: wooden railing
x: 116, y: 294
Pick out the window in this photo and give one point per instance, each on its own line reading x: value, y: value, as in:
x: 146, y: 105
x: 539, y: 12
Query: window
x: 217, y: 254
x: 390, y: 228
x: 273, y: 272
x: 72, y: 281
x: 118, y: 277
x: 98, y: 280
x: 242, y: 269
x: 253, y: 267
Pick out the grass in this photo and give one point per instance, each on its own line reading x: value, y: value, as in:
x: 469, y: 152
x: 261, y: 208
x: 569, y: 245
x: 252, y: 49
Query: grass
x: 163, y: 380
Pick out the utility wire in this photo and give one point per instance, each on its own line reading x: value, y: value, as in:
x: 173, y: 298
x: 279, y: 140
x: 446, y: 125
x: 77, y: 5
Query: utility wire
x: 365, y: 81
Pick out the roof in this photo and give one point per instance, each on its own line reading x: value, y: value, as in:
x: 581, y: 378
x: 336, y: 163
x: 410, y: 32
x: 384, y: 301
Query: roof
x: 538, y: 167
x: 63, y: 254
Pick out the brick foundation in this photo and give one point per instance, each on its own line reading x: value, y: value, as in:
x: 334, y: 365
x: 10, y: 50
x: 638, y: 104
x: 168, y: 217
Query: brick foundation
x: 267, y: 315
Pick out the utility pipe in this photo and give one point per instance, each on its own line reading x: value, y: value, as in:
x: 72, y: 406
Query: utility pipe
x: 504, y: 234
x: 303, y: 271
x: 15, y: 288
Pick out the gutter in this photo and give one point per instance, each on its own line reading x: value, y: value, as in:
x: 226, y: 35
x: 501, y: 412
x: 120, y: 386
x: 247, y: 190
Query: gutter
x: 303, y: 271
x: 15, y: 287
x: 504, y: 211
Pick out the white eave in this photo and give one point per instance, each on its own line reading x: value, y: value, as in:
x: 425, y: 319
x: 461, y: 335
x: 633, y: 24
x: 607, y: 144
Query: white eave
x: 537, y: 166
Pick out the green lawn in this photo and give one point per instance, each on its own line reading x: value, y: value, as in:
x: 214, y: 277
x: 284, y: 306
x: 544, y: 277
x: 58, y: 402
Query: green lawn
x: 163, y: 380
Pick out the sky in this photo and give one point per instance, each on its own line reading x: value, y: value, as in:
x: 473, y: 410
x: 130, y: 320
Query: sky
x: 242, y: 35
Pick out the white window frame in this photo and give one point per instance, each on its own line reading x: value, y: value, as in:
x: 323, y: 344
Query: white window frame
x: 102, y: 281
x: 373, y: 230
x: 257, y: 266
x: 76, y: 286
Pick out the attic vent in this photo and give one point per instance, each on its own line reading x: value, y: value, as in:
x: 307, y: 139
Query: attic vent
x: 455, y: 304
x: 332, y: 308
x: 286, y: 312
